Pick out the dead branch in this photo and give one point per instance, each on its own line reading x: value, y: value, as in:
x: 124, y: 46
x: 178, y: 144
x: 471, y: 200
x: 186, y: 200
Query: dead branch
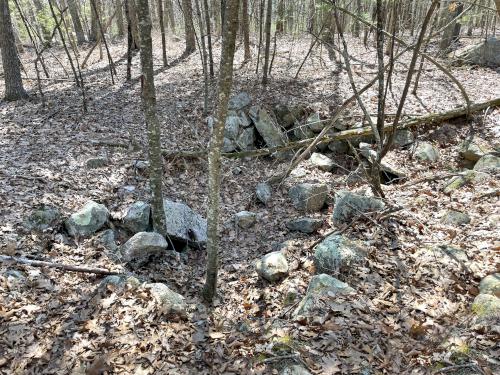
x: 61, y: 266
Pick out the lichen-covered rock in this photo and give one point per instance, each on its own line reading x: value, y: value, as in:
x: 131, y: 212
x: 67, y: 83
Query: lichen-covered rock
x: 246, y: 139
x: 338, y: 147
x: 263, y: 192
x: 118, y: 282
x: 336, y: 253
x: 453, y: 217
x: 321, y: 287
x: 427, y: 152
x: 245, y: 219
x: 137, y: 217
x: 184, y: 224
x: 270, y: 132
x: 171, y: 303
x: 314, y: 123
x: 92, y: 217
x: 308, y: 197
x: 490, y: 285
x: 228, y: 145
x: 288, y: 116
x: 97, y: 162
x: 486, y: 306
x: 350, y: 205
x: 322, y: 162
x: 232, y: 127
x: 301, y: 131
x: 456, y: 182
x: 272, y: 266
x: 142, y: 246
x: 304, y: 224
x: 473, y: 150
x: 294, y: 370
x: 107, y: 240
x: 487, y: 163
x: 403, y: 137
x: 239, y: 101
x: 484, y: 53
x: 42, y: 219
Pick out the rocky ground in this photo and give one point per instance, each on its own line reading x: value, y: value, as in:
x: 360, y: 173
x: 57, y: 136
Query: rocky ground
x: 315, y: 273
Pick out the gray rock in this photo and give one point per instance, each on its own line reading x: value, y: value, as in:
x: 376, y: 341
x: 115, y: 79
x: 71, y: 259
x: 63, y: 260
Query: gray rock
x: 338, y: 147
x: 453, y: 217
x: 308, y: 197
x: 294, y: 370
x: 456, y: 182
x: 427, y: 152
x: 141, y: 165
x: 15, y: 279
x: 270, y: 132
x: 321, y: 287
x: 98, y: 162
x: 107, y: 240
x: 336, y: 253
x: 288, y: 116
x: 387, y: 171
x: 245, y: 219
x: 170, y: 301
x: 232, y: 128
x: 184, y: 224
x: 92, y: 217
x: 314, y: 123
x: 228, y: 145
x: 304, y: 224
x: 246, y: 139
x: 485, y: 53
x: 142, y: 246
x: 239, y: 101
x: 118, y: 282
x: 321, y: 161
x: 403, y: 138
x: 486, y: 306
x: 473, y: 150
x: 263, y: 192
x: 137, y: 217
x: 350, y: 205
x: 244, y: 119
x: 43, y: 219
x: 490, y: 285
x: 301, y: 131
x: 488, y: 163
x: 452, y: 253
x: 272, y: 266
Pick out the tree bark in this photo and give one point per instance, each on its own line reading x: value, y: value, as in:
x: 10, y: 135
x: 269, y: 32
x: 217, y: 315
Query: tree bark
x: 77, y: 23
x: 120, y: 25
x: 94, y: 27
x: 153, y: 125
x: 451, y: 10
x: 214, y: 156
x: 246, y: 30
x: 189, y: 27
x: 162, y: 31
x: 268, y: 40
x: 14, y: 89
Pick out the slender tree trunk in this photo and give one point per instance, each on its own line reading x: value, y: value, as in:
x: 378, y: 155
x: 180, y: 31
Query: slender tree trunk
x: 280, y: 28
x: 356, y: 22
x: 130, y: 40
x: 94, y: 27
x: 120, y: 25
x: 133, y: 24
x: 149, y: 107
x: 162, y: 31
x: 209, y: 38
x: 169, y: 8
x: 451, y: 9
x: 261, y: 22
x: 14, y: 89
x: 77, y: 23
x: 189, y: 27
x: 246, y: 30
x: 268, y: 40
x: 214, y: 156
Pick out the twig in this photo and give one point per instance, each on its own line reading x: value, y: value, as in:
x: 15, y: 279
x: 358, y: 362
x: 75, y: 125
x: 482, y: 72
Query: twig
x: 66, y: 267
x: 456, y: 367
x: 280, y: 357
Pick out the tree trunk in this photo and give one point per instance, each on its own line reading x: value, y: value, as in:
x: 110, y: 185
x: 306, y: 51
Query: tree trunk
x: 94, y: 26
x: 120, y: 25
x: 169, y: 8
x: 268, y: 40
x: 77, y: 23
x: 281, y: 17
x: 14, y: 89
x: 214, y: 156
x: 356, y: 28
x: 162, y: 31
x: 497, y: 2
x: 209, y: 38
x: 153, y: 125
x: 246, y: 30
x: 189, y: 27
x: 132, y: 18
x: 451, y: 10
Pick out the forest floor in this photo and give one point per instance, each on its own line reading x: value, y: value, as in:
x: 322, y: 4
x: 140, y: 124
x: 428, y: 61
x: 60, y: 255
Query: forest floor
x: 412, y: 309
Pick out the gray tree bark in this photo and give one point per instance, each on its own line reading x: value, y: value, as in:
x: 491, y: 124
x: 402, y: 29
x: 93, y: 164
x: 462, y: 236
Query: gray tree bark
x: 77, y: 23
x: 153, y: 125
x: 14, y: 89
x: 269, y: 14
x: 214, y: 155
x: 189, y: 27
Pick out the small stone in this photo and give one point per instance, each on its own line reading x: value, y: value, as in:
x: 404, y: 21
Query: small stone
x: 314, y: 122
x: 263, y: 192
x: 490, y: 285
x: 43, y: 219
x: 486, y: 306
x: 272, y: 266
x: 137, y: 217
x: 488, y: 163
x: 141, y: 165
x: 350, y: 205
x: 92, y: 217
x: 321, y: 287
x: 98, y: 162
x: 301, y: 131
x: 118, y: 282
x: 338, y: 147
x: 308, y: 197
x: 184, y: 224
x: 456, y: 182
x: 453, y: 217
x: 107, y: 240
x: 239, y: 101
x: 246, y: 219
x: 427, y: 152
x: 403, y: 138
x: 304, y: 224
x: 294, y: 370
x: 473, y: 150
x: 228, y: 146
x: 142, y: 246
x: 321, y: 161
x: 336, y: 253
x: 170, y: 301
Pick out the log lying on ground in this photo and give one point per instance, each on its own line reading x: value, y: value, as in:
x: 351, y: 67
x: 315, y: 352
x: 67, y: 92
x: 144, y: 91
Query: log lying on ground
x: 431, y: 119
x: 65, y: 267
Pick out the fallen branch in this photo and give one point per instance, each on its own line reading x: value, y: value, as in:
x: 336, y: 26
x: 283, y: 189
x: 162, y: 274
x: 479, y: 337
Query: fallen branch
x: 431, y: 119
x: 66, y: 267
